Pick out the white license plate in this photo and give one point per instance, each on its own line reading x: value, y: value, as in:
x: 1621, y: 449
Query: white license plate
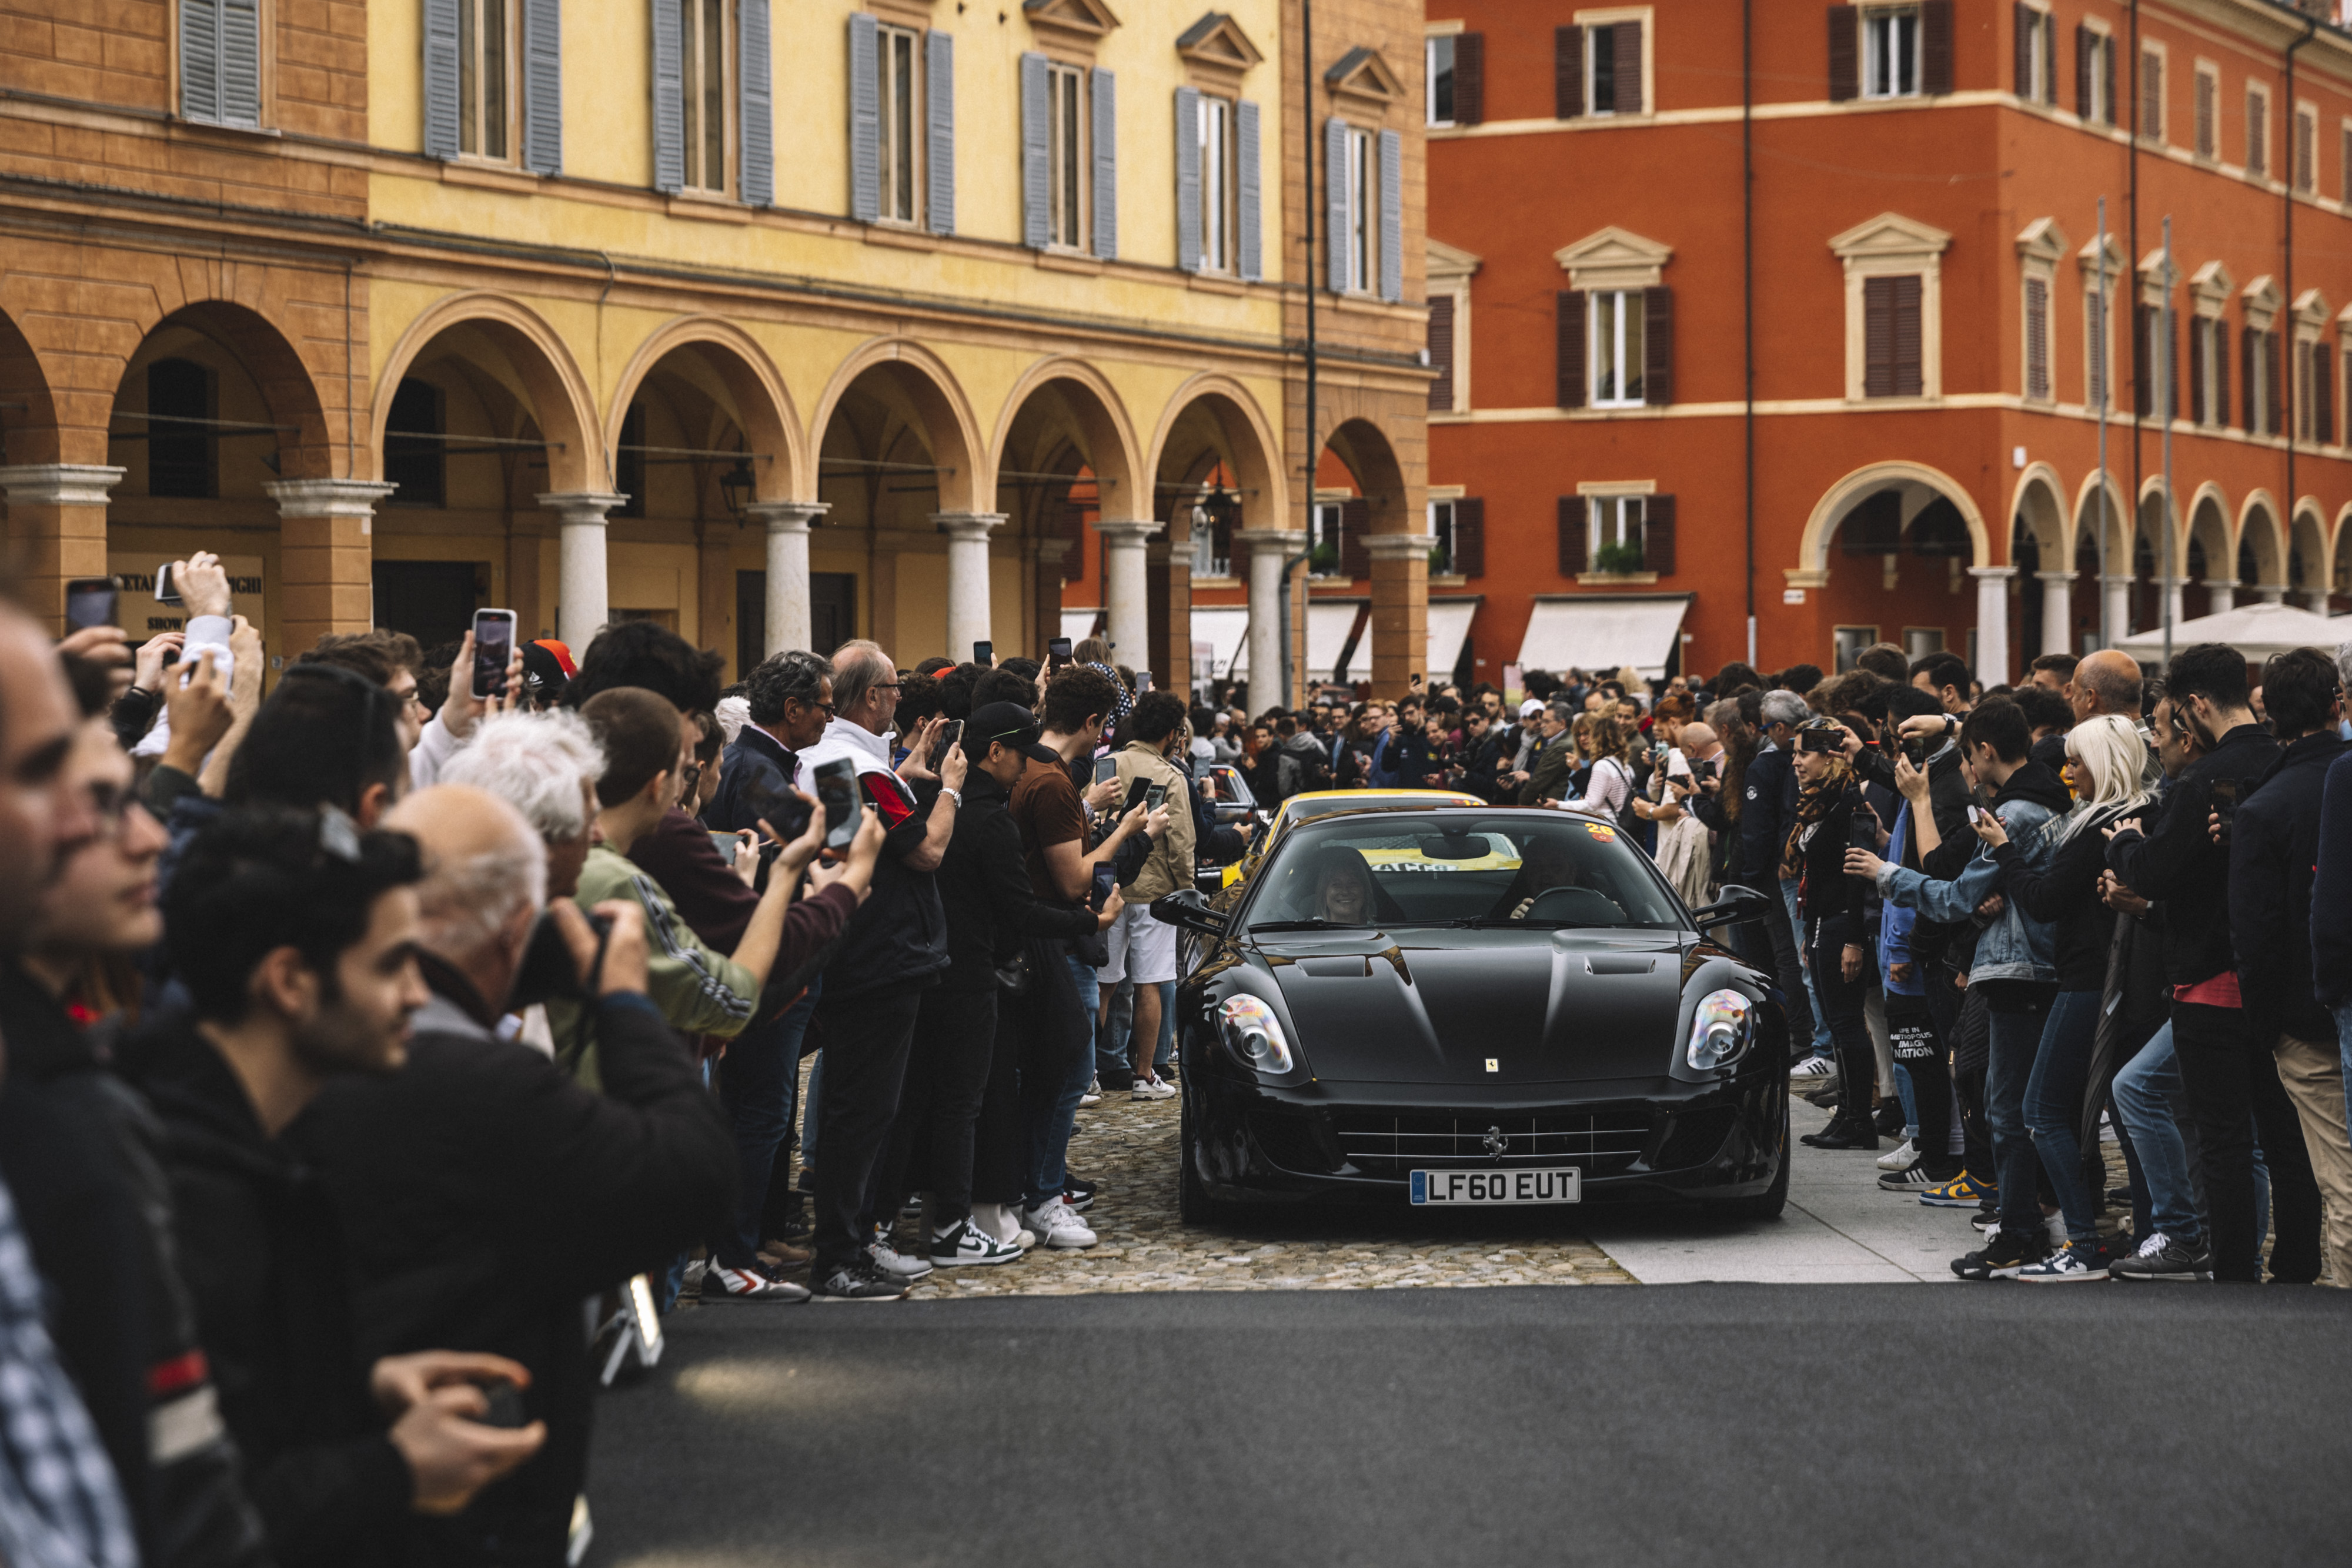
x: 1493, y: 1188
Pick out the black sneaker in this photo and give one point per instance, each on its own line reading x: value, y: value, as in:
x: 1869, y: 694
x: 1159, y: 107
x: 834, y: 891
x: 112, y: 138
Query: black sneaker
x: 2161, y: 1258
x: 1913, y: 1181
x: 1078, y: 1192
x: 858, y: 1281
x: 2006, y: 1254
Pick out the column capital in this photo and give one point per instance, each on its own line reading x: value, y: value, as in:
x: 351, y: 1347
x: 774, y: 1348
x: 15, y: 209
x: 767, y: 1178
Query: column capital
x: 787, y: 517
x: 328, y: 498
x: 2066, y: 577
x: 1126, y: 532
x: 969, y: 525
x: 1989, y: 573
x: 2117, y: 579
x: 59, y: 484
x: 574, y: 506
x: 1400, y: 546
x: 2226, y: 584
x: 1287, y: 541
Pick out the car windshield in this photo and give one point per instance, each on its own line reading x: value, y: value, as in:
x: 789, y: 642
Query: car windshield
x: 1528, y: 871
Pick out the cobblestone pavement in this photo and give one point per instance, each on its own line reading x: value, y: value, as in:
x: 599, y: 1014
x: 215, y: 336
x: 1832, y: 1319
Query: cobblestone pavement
x: 1130, y: 1147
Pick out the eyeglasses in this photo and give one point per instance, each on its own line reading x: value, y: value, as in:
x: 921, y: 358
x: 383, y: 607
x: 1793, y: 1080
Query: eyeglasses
x: 830, y: 711
x: 690, y: 776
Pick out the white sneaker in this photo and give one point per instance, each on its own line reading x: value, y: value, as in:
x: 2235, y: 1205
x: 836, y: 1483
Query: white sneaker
x: 895, y: 1263
x: 1813, y: 1072
x: 967, y: 1243
x: 1901, y: 1159
x: 1154, y: 1089
x: 1091, y: 1098
x: 1058, y: 1225
x: 1002, y: 1222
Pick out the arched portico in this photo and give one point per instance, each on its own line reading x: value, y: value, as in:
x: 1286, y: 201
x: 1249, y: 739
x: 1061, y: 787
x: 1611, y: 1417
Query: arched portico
x: 1218, y: 482
x: 1890, y: 549
x: 1066, y: 456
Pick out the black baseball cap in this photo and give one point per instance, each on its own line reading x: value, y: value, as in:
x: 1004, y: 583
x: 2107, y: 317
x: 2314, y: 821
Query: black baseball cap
x: 1008, y: 722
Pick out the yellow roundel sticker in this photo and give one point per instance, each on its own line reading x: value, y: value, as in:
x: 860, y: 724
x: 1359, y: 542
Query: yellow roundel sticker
x: 1601, y: 830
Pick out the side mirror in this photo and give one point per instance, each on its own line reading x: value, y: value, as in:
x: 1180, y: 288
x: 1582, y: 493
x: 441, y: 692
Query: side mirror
x: 1736, y: 905
x: 1187, y: 909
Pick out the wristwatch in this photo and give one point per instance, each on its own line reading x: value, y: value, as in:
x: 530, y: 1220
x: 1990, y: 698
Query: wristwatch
x: 955, y: 795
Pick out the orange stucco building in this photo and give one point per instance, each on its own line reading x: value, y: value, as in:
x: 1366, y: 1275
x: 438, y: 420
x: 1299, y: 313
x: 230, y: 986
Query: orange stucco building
x: 1865, y: 401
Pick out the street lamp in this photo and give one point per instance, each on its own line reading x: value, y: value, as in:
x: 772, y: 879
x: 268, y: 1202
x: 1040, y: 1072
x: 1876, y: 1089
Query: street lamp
x: 735, y: 488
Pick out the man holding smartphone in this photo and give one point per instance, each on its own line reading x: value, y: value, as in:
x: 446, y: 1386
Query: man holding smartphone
x: 1143, y: 949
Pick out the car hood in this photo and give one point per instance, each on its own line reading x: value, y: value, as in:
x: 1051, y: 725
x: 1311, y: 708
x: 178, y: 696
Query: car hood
x: 1469, y: 1007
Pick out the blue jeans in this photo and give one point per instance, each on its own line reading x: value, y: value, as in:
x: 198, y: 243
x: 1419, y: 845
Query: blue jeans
x: 2013, y: 1040
x: 1049, y: 1170
x: 2053, y: 1093
x: 756, y: 1078
x: 1823, y: 1045
x: 809, y: 1112
x: 2147, y: 1091
x: 2344, y: 1043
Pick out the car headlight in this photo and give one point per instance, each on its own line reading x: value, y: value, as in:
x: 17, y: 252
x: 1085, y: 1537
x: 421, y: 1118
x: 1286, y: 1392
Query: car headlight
x: 1254, y: 1035
x: 1719, y: 1030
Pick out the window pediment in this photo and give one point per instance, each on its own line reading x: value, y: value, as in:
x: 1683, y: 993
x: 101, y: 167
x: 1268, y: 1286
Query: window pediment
x: 2262, y: 301
x: 2159, y: 275
x: 2311, y: 308
x: 1077, y: 21
x: 2101, y: 254
x: 1890, y: 237
x: 2210, y: 287
x: 1614, y: 259
x: 1361, y: 73
x: 2041, y: 241
x: 1448, y: 262
x: 1217, y: 43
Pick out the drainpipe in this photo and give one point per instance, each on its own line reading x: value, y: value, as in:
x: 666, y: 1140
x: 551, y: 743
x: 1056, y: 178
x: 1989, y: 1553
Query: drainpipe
x: 2287, y: 373
x: 1311, y: 146
x: 1748, y: 293
x: 2131, y: 295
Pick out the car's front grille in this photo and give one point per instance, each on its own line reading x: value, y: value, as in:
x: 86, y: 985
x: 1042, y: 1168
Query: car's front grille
x: 1599, y: 1142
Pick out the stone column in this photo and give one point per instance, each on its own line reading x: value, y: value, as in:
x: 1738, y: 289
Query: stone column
x: 2057, y: 612
x: 2316, y: 600
x: 57, y: 515
x: 584, y: 589
x: 788, y: 524
x: 1126, y: 545
x: 2221, y: 593
x: 1400, y: 611
x: 968, y: 602
x: 1992, y: 623
x: 2271, y: 593
x: 2118, y: 593
x: 1268, y: 549
x: 326, y: 558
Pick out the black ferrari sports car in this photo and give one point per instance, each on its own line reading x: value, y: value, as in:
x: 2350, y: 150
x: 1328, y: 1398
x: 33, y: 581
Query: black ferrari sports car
x: 1474, y: 1006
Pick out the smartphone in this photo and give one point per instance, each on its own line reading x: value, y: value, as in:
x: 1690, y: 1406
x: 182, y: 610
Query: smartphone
x: 1142, y: 681
x: 166, y: 591
x: 1106, y: 878
x: 1916, y: 750
x: 1105, y: 768
x: 505, y: 1407
x: 1975, y: 816
x: 1155, y: 796
x: 727, y: 844
x: 93, y: 601
x: 2225, y: 802
x: 1057, y: 651
x: 984, y: 655
x: 1702, y: 772
x: 494, y: 638
x: 1137, y: 791
x: 836, y: 791
x: 782, y: 809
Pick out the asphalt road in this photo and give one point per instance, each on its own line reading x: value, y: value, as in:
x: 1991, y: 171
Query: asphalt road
x: 1695, y: 1424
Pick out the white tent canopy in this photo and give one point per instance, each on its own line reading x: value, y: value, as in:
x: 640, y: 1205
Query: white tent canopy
x: 1449, y: 627
x: 1224, y: 628
x: 2257, y: 630
x: 1602, y: 631
x: 1078, y: 625
x: 1331, y: 627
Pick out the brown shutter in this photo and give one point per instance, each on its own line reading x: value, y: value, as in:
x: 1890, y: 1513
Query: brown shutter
x: 2107, y: 68
x: 2196, y: 371
x: 1469, y: 78
x: 1568, y: 72
x: 2248, y: 374
x: 1627, y: 38
x: 2220, y: 331
x: 1441, y: 352
x: 1658, y: 535
x: 1571, y: 334
x: 2022, y: 20
x: 1572, y: 535
x: 1909, y: 363
x: 2143, y: 359
x: 1470, y: 537
x: 2083, y: 49
x: 2322, y: 395
x: 1845, y: 52
x: 2276, y: 412
x: 2151, y: 93
x: 1355, y: 530
x: 1878, y: 337
x: 1935, y: 46
x: 1657, y: 345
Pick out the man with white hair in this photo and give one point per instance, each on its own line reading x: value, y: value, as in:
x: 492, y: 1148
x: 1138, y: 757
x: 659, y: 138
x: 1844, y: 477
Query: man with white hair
x: 545, y: 766
x: 482, y: 1193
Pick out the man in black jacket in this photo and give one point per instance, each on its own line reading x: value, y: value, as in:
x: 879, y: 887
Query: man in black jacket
x: 2232, y: 1086
x: 295, y: 935
x: 1767, y: 808
x: 2273, y: 847
x: 483, y: 1193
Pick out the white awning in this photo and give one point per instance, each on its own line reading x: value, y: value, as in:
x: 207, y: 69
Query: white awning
x: 1223, y: 628
x: 1593, y: 631
x: 1449, y: 628
x: 2259, y: 631
x: 1330, y: 626
x: 1078, y: 625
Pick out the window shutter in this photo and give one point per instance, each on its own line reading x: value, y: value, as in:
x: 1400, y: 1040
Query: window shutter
x: 1572, y: 535
x: 755, y: 117
x: 542, y: 81
x: 1392, y: 216
x: 2197, y: 333
x: 2023, y: 20
x: 1935, y: 46
x: 2143, y: 359
x: 2206, y: 143
x: 2220, y: 331
x: 1248, y: 224
x: 2037, y: 338
x: 1335, y: 201
x: 1909, y: 364
x: 1626, y: 42
x: 1103, y: 131
x: 1470, y: 537
x: 1657, y: 345
x: 1569, y: 332
x: 1355, y: 530
x: 2273, y: 406
x: 2258, y: 136
x: 865, y: 119
x: 2107, y: 72
x: 2084, y: 48
x: 1441, y: 352
x: 1469, y: 78
x: 1878, y: 337
x: 2151, y: 94
x: 240, y: 62
x: 1658, y: 535
x: 1845, y: 52
x: 1188, y: 180
x: 1567, y: 72
x: 1036, y: 149
x: 2322, y: 395
x: 200, y: 24
x: 440, y: 71
x: 2247, y: 376
x: 939, y: 131
x: 2306, y: 153
x: 670, y: 99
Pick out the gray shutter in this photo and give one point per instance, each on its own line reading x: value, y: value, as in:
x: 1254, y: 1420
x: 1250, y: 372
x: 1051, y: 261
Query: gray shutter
x: 440, y: 77
x: 755, y: 113
x: 200, y: 56
x: 938, y: 133
x: 1104, y: 132
x: 1335, y: 201
x: 865, y: 119
x: 1392, y: 216
x: 542, y: 80
x: 1247, y: 224
x: 1188, y: 178
x: 240, y: 62
x: 670, y: 99
x: 1036, y: 147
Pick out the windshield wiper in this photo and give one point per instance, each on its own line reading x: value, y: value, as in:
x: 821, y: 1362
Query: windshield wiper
x: 1313, y: 924
x: 1494, y: 923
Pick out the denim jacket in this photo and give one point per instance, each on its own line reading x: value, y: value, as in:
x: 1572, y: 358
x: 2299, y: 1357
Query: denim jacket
x: 2013, y: 948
